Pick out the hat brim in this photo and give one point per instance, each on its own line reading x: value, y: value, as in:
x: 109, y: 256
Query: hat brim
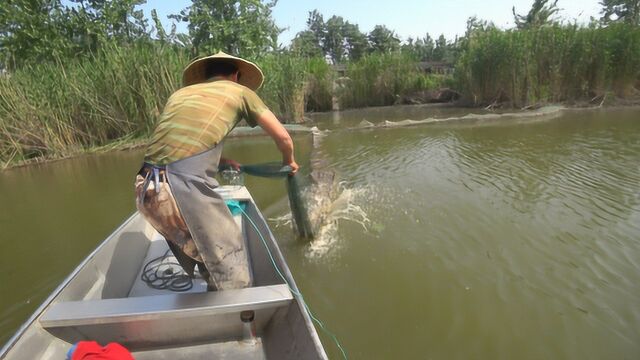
x: 249, y: 73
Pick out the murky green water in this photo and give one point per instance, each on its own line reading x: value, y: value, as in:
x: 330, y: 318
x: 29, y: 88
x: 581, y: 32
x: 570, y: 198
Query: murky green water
x: 471, y: 240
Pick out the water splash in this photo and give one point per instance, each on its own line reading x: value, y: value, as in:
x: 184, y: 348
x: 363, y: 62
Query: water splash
x: 327, y: 216
x: 344, y: 208
x: 329, y: 202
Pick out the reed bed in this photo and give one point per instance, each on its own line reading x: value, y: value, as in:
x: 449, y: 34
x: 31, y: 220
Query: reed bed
x: 382, y: 79
x: 295, y: 85
x: 557, y: 63
x: 60, y: 108
x: 283, y: 89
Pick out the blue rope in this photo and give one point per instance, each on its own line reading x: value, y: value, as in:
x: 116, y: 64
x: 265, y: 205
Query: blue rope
x: 296, y: 293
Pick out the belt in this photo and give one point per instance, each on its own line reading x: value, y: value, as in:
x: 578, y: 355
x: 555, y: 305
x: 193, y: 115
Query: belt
x: 149, y: 171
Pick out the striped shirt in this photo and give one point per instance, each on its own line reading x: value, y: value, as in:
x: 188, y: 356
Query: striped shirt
x: 197, y: 117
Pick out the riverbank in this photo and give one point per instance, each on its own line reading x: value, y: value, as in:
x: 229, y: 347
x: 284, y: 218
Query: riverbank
x: 366, y: 118
x: 137, y: 143
x: 48, y: 110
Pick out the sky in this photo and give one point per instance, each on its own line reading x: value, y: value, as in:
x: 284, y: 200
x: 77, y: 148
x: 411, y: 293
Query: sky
x: 408, y: 18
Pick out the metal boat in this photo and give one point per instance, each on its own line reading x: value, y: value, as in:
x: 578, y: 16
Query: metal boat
x: 104, y: 299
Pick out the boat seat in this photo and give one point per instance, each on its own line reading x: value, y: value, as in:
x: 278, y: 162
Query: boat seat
x: 175, y: 318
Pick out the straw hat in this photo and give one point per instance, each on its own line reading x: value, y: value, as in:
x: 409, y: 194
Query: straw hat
x: 250, y: 74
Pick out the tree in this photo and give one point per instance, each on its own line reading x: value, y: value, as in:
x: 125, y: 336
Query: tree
x: 306, y: 45
x: 541, y: 13
x: 383, y: 40
x: 32, y: 30
x: 335, y: 38
x: 334, y: 41
x: 116, y: 19
x: 420, y: 49
x: 441, y: 49
x: 315, y: 24
x: 475, y: 24
x: 355, y: 41
x: 627, y: 11
x: 95, y: 22
x: 238, y: 27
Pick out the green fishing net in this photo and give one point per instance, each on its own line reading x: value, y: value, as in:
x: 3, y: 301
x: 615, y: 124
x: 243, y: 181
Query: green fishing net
x: 295, y: 186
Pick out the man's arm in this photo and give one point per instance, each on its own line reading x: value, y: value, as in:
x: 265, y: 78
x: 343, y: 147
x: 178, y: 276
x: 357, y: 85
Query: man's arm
x: 280, y: 136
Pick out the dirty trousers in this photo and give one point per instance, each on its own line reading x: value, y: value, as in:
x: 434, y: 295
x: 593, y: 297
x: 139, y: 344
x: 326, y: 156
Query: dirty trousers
x: 161, y: 210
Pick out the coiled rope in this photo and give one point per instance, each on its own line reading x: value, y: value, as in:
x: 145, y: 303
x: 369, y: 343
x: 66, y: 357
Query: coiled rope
x: 160, y: 274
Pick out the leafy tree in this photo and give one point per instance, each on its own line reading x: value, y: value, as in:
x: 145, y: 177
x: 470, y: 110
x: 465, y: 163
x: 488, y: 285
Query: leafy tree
x: 115, y: 19
x: 475, y: 24
x: 334, y: 40
x: 627, y: 11
x: 315, y: 24
x: 355, y: 41
x: 541, y: 13
x: 44, y: 30
x: 173, y: 37
x: 441, y: 49
x: 306, y: 45
x: 421, y: 49
x: 310, y: 42
x: 239, y: 27
x: 31, y: 30
x: 383, y: 40
x: 95, y: 22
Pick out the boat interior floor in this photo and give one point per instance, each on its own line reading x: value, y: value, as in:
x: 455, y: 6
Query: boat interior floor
x: 157, y: 248
x: 223, y: 350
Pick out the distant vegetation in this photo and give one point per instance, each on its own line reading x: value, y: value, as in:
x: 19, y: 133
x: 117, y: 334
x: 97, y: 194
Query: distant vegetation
x: 556, y: 63
x: 87, y: 73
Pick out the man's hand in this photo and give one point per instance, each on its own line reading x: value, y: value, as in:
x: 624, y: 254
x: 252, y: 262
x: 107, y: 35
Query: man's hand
x: 294, y: 167
x: 230, y: 162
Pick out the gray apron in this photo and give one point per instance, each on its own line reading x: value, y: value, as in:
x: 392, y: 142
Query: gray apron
x: 216, y: 235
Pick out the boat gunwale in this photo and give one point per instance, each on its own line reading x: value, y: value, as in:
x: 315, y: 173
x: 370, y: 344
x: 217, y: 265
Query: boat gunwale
x: 275, y: 249
x: 45, y: 304
x: 292, y: 284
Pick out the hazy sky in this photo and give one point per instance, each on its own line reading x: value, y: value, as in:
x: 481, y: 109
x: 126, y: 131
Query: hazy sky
x: 408, y: 18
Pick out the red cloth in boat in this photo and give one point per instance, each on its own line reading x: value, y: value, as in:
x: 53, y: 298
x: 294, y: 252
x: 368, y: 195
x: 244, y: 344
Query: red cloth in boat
x: 91, y: 350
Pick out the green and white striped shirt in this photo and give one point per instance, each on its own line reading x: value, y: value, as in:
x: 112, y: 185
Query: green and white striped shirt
x: 197, y: 117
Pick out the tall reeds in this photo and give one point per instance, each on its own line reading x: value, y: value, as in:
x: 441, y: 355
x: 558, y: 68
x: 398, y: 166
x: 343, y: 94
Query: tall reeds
x: 382, y: 79
x: 283, y: 89
x: 294, y: 85
x: 319, y: 85
x: 59, y: 108
x: 558, y: 63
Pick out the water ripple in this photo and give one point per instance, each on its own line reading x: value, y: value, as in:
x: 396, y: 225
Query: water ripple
x: 543, y: 216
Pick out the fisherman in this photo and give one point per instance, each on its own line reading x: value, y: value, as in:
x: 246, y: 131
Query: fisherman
x: 175, y: 186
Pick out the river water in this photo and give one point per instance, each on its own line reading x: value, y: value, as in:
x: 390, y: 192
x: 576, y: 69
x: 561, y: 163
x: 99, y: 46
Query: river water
x: 472, y: 238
